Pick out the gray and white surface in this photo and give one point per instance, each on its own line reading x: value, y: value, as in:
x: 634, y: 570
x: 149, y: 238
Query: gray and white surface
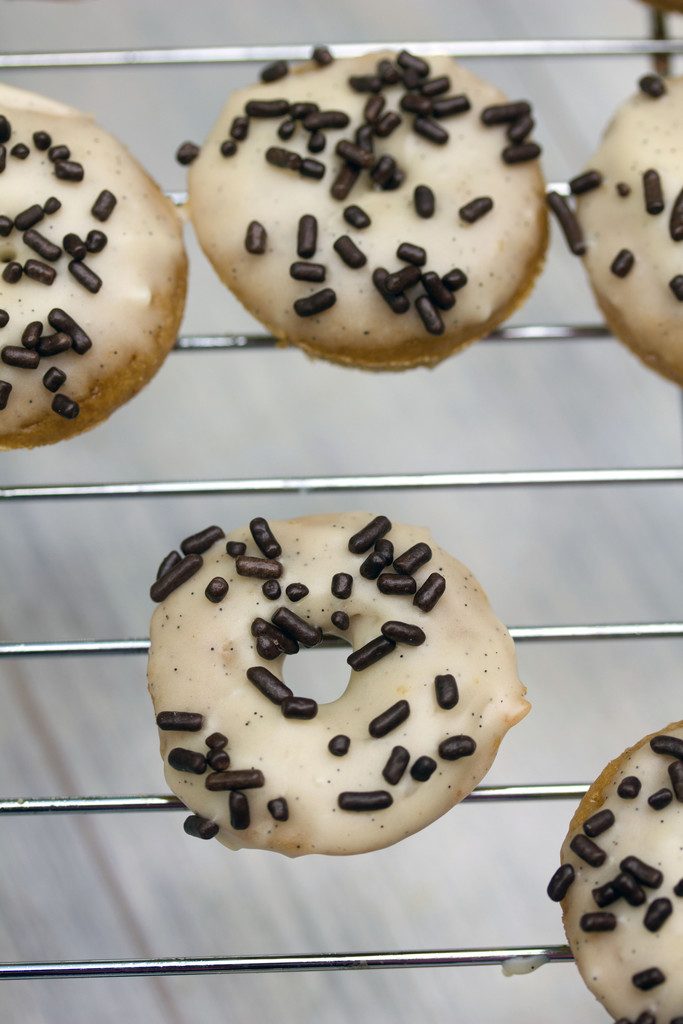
x: 134, y: 885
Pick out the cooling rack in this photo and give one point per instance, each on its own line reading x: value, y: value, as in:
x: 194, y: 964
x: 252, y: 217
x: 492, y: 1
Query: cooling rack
x: 659, y: 47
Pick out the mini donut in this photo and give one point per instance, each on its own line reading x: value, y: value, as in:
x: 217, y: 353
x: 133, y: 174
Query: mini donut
x: 433, y: 689
x: 93, y: 272
x: 379, y: 212
x: 629, y: 224
x: 621, y: 882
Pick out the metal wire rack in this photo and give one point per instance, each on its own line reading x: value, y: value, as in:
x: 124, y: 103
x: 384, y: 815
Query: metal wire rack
x: 659, y: 47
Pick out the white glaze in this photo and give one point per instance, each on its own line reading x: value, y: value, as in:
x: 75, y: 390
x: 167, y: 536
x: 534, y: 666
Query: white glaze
x: 200, y: 653
x: 499, y: 253
x: 139, y: 266
x: 609, y: 960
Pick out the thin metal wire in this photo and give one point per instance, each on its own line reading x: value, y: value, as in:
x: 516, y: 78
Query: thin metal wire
x: 132, y: 804
x: 521, y: 634
x: 335, y: 484
x: 526, y: 956
x: 468, y: 48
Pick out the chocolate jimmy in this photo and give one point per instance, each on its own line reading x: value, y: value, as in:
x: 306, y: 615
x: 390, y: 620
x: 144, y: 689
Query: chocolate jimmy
x: 676, y: 219
x: 298, y: 111
x: 4, y: 318
x: 239, y: 129
x: 268, y: 684
x: 279, y: 157
x: 95, y: 241
x: 6, y: 225
x: 676, y: 775
x: 298, y: 629
x: 568, y: 221
x: 373, y: 565
x: 349, y: 252
x: 429, y: 315
x: 200, y: 542
x: 5, y: 129
x: 313, y: 272
x: 652, y: 85
x: 42, y: 245
x: 623, y: 189
x: 395, y: 181
x: 303, y: 708
x: 239, y: 811
x: 410, y: 62
x: 399, y: 303
x: 200, y: 828
x: 369, y: 800
x: 85, y: 276
x: 598, y: 823
x: 414, y: 103
x: 28, y: 217
x: 171, y: 559
x: 388, y: 72
x: 275, y: 70
x: 339, y: 745
x: 587, y: 850
x: 19, y: 151
x: 389, y: 720
x: 319, y: 302
x: 17, y: 355
x: 307, y: 236
x: 322, y: 56
x: 51, y: 205
x: 176, y: 576
x: 180, y: 721
x: 69, y: 170
x: 416, y: 556
x: 318, y: 119
x: 625, y: 885
x: 104, y: 205
x: 316, y: 142
x: 267, y: 649
x: 370, y: 653
x: 3, y: 158
x: 440, y: 296
x: 678, y: 888
x: 312, y: 169
x: 435, y: 86
x: 476, y: 209
x: 364, y: 137
x: 387, y: 123
x: 519, y: 130
x: 216, y: 589
x: 676, y: 286
x: 430, y: 592
x: 454, y: 280
x: 661, y: 799
x: 396, y: 765
x: 521, y: 153
x: 629, y: 788
x: 244, y: 778
x: 504, y: 113
x: 644, y: 873
x: 74, y: 246
x: 670, y: 746
x: 368, y: 536
x: 585, y: 182
x: 560, y: 883
x: 600, y: 921
x: 271, y: 590
x: 285, y: 644
x: 431, y: 130
x: 354, y: 154
x: 228, y: 147
x: 657, y: 913
x: 424, y: 201
x: 385, y: 549
x: 286, y: 129
x: 42, y: 141
x: 184, y: 760
x: 450, y: 106
x: 340, y: 620
x: 31, y: 334
x: 255, y: 238
x: 59, y: 152
x: 41, y: 272
x: 260, y: 568
x: 622, y: 263
x: 383, y: 169
x: 53, y: 344
x: 342, y: 585
x: 365, y: 83
x: 296, y: 591
x: 346, y: 178
x: 5, y: 392
x: 266, y: 108
x: 605, y: 895
x: 264, y: 538
x: 648, y: 979
x: 447, y: 695
x: 216, y: 741
x: 402, y: 279
x: 219, y: 760
x: 423, y: 768
x: 61, y: 321
x: 278, y: 809
x: 356, y: 217
x: 12, y: 272
x: 373, y: 107
x: 412, y: 254
x: 403, y: 633
x: 652, y: 192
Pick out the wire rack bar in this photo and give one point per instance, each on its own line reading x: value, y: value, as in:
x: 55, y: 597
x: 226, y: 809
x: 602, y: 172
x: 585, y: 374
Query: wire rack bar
x: 329, y: 484
x: 522, y: 634
x: 132, y: 804
x: 533, y: 956
x: 250, y: 54
x: 522, y: 332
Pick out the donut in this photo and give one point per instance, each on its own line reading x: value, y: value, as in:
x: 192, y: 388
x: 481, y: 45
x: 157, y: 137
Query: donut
x: 628, y: 224
x: 621, y: 882
x: 380, y: 212
x: 93, y: 272
x: 675, y: 6
x: 433, y: 688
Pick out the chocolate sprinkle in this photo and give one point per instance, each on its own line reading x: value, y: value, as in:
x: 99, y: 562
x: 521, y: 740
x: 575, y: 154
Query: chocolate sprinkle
x: 373, y: 565
x: 322, y: 56
x: 255, y: 238
x: 69, y: 170
x: 354, y: 154
x: 622, y: 263
x: 176, y: 576
x: 423, y: 197
x: 349, y: 252
x: 75, y: 246
x: 28, y: 217
x: 657, y: 913
x: 625, y: 885
x: 605, y: 895
x: 371, y: 652
x: 5, y: 391
x: 171, y: 559
x: 344, y: 182
x: 521, y: 153
x: 61, y: 321
x: 676, y: 219
x: 423, y: 768
x: 216, y: 589
x: 559, y: 884
x: 643, y: 872
x: 390, y: 583
x: 431, y: 130
x: 296, y: 591
x: 42, y: 141
x: 244, y: 778
x: 504, y: 113
x: 271, y: 590
x: 266, y: 108
x: 12, y: 272
x: 403, y: 633
x: 297, y: 628
x: 652, y: 191
x: 623, y: 189
x: 200, y: 542
x: 264, y: 538
x: 285, y: 644
x: 585, y: 182
x: 339, y: 745
x: 239, y: 129
x: 430, y: 592
x: 183, y: 721
x: 20, y: 151
x: 53, y: 379
x: 317, y: 119
x: 279, y: 157
x: 42, y: 245
x: 447, y: 695
x: 272, y: 72
x: 340, y: 620
x: 228, y: 148
x: 373, y: 108
x: 319, y: 302
x: 85, y: 276
x: 187, y: 760
x: 365, y: 83
x: 200, y: 828
x: 598, y: 823
x: 396, y: 765
x: 23, y: 358
x: 650, y: 978
x: 454, y: 280
x: 389, y: 720
x: 356, y: 217
x: 235, y: 548
x: 678, y: 888
x: 387, y: 124
x: 261, y: 568
x: 437, y: 291
x: 676, y: 286
x: 400, y: 280
x: 299, y: 707
x: 104, y: 205
x: 219, y: 760
x: 662, y: 798
x: 475, y: 209
x: 5, y: 129
x: 598, y: 922
x: 519, y: 129
x: 399, y: 303
x: 412, y: 254
x: 416, y: 556
x: 587, y: 850
x: 376, y: 800
x: 568, y: 222
x: 6, y: 226
x: 676, y: 776
x: 455, y: 747
x: 629, y: 788
x: 307, y: 236
x: 53, y: 344
x: 652, y: 85
x: 450, y: 106
x: 670, y: 746
x: 239, y: 811
x: 342, y: 585
x: 362, y: 541
x: 95, y: 241
x: 269, y: 685
x: 278, y: 809
x: 40, y: 272
x: 4, y: 318
x: 51, y: 205
x: 313, y: 272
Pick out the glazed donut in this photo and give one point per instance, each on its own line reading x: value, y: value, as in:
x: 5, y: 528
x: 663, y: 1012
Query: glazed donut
x: 93, y: 278
x: 379, y: 212
x: 629, y: 224
x: 621, y: 882
x: 433, y: 688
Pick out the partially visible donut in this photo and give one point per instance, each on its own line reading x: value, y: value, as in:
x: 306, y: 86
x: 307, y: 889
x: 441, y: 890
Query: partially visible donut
x: 380, y: 212
x: 434, y: 685
x: 93, y: 272
x: 621, y: 882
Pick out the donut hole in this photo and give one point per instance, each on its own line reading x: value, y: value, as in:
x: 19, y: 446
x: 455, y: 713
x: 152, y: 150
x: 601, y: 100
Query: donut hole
x: 320, y: 673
